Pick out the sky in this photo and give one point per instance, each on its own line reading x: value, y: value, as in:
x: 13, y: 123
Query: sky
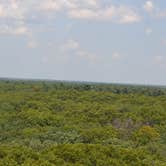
x: 112, y: 41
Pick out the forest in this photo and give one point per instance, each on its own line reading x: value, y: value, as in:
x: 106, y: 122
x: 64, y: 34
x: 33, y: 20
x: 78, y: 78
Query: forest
x: 58, y: 123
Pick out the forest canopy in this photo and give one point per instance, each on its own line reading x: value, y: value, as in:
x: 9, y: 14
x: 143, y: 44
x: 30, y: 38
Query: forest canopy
x: 83, y: 124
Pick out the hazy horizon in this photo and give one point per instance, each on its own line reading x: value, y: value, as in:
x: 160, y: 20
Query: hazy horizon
x: 81, y: 81
x: 84, y: 40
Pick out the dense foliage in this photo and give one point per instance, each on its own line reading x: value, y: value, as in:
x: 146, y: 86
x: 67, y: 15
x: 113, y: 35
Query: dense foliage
x: 81, y: 124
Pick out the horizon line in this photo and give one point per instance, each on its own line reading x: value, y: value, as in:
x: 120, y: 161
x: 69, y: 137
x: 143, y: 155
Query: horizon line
x: 80, y: 81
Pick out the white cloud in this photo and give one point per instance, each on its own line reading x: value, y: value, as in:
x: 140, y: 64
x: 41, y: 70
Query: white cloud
x: 14, y: 30
x: 81, y: 4
x: 148, y: 31
x: 12, y: 9
x: 149, y: 6
x: 15, y: 11
x: 73, y: 48
x: 57, y: 5
x: 51, y: 5
x: 127, y: 15
x: 86, y: 55
x: 154, y: 11
x: 92, y: 3
x: 70, y: 45
x: 83, y: 14
x: 116, y: 56
x: 120, y: 14
x: 12, y: 12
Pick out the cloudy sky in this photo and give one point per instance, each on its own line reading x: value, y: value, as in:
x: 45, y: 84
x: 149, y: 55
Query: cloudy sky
x: 120, y: 41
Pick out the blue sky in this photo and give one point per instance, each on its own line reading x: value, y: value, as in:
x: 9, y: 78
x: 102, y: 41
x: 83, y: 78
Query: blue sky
x: 86, y: 40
